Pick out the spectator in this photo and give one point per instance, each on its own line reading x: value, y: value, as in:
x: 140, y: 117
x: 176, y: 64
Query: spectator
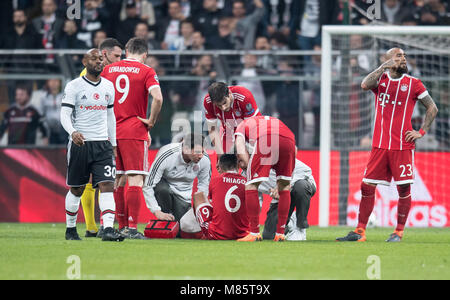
x: 169, y: 28
x: 99, y: 37
x: 208, y: 19
x: 93, y: 18
x: 265, y: 61
x: 127, y: 27
x: 69, y: 39
x: 50, y: 107
x: 22, y: 36
x: 223, y: 39
x: 244, y: 27
x: 203, y: 68
x: 308, y: 16
x: 144, y: 9
x: 142, y: 32
x: 22, y: 120
x: 277, y: 16
x: 250, y: 69
x: 198, y: 41
x: 49, y: 26
x: 395, y: 12
x: 184, y: 41
x: 434, y: 12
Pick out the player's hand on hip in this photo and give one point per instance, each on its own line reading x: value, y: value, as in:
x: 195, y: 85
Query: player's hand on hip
x: 78, y: 138
x: 412, y: 136
x: 164, y: 216
x: 147, y: 122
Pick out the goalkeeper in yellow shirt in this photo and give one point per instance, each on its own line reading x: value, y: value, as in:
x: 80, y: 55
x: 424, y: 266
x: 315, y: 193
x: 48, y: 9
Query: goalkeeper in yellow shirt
x: 111, y: 51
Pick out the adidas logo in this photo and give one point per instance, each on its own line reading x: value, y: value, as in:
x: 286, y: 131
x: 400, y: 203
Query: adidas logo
x: 84, y: 97
x: 383, y: 84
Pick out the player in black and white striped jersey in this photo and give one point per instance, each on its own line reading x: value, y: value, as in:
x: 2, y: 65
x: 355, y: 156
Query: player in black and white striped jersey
x: 87, y: 114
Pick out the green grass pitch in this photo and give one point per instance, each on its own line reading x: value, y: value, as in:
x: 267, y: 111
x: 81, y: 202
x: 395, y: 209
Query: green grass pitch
x: 39, y: 251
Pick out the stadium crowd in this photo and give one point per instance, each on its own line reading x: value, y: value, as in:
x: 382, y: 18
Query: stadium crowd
x: 184, y: 25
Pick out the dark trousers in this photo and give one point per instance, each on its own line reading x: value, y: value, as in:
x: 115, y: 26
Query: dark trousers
x: 301, y: 195
x: 170, y: 202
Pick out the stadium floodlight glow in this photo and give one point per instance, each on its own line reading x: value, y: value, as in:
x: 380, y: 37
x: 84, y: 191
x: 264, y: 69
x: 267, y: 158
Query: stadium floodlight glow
x: 424, y: 40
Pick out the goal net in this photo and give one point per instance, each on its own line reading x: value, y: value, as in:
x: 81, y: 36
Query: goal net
x: 349, y: 53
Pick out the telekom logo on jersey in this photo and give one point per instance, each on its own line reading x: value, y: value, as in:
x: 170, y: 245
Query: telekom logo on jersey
x: 385, y: 99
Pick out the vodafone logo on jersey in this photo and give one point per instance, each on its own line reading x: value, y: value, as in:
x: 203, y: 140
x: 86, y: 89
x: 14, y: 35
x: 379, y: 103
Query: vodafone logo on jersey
x: 94, y: 107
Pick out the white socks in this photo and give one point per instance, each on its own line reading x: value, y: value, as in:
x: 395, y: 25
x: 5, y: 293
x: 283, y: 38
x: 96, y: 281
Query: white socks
x: 72, y: 206
x: 107, y: 208
x: 106, y: 204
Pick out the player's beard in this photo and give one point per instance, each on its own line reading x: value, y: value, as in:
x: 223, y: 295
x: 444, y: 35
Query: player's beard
x: 402, y: 69
x: 94, y: 72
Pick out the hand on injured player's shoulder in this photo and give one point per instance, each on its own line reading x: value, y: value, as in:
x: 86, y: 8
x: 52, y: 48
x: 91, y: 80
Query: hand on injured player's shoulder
x: 163, y: 216
x: 78, y: 138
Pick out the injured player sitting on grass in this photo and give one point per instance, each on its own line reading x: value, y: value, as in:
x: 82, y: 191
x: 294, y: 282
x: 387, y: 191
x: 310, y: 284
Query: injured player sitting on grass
x: 224, y: 215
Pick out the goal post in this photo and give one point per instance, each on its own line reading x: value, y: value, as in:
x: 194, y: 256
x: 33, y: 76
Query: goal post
x: 349, y: 53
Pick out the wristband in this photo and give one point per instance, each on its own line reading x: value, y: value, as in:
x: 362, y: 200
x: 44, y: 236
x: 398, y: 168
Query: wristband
x: 422, y: 132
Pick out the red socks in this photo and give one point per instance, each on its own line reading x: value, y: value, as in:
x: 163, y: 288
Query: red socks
x: 366, y: 205
x: 119, y: 198
x: 133, y: 200
x: 253, y: 209
x: 283, y: 210
x: 404, y: 204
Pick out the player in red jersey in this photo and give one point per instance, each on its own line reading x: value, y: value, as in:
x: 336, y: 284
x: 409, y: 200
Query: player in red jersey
x: 225, y: 217
x: 392, y: 155
x: 230, y: 105
x: 133, y: 81
x: 272, y: 146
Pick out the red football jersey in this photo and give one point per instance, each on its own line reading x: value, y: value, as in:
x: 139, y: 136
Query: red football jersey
x: 133, y: 82
x: 394, y: 106
x: 257, y: 127
x: 229, y: 220
x: 243, y: 107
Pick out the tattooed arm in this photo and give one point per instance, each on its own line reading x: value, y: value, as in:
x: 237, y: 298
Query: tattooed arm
x: 430, y: 114
x: 371, y: 80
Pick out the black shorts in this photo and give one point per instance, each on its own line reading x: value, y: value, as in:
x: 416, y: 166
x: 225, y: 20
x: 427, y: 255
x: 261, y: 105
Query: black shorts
x: 94, y: 157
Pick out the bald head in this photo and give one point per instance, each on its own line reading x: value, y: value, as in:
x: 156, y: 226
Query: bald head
x: 399, y: 57
x: 93, y: 61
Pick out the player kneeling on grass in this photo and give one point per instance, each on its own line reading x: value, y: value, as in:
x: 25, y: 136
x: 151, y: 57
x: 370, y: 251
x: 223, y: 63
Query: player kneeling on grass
x: 87, y: 115
x: 224, y: 216
x: 303, y: 187
x: 168, y: 188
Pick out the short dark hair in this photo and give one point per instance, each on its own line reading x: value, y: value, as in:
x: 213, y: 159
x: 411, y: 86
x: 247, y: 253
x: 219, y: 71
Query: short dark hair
x: 228, y: 162
x: 22, y: 85
x: 193, y: 139
x: 110, y: 43
x: 137, y: 46
x: 217, y: 91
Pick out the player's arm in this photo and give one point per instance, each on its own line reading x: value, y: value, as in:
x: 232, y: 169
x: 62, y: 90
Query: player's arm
x: 155, y: 108
x: 204, y: 175
x: 67, y: 107
x: 214, y: 135
x: 430, y: 115
x: 155, y: 175
x: 242, y: 154
x: 371, y: 81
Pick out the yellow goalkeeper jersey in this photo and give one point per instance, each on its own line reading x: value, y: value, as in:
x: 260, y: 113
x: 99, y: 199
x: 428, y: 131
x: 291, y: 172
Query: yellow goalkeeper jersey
x: 83, y: 73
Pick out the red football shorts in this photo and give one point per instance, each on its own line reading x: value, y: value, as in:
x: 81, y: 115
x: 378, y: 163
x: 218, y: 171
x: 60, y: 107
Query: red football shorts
x: 386, y: 164
x: 132, y: 157
x: 271, y: 152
